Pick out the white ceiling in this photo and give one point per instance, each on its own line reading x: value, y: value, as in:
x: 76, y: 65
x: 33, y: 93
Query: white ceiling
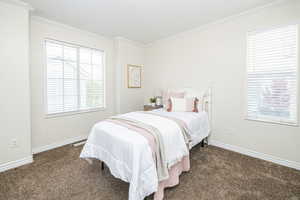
x: 140, y: 20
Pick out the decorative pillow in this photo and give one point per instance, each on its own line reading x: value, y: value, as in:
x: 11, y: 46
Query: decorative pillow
x: 168, y: 94
x: 191, y: 93
x: 188, y: 104
x: 178, y: 105
x: 192, y: 104
x: 197, y: 108
x: 169, y: 108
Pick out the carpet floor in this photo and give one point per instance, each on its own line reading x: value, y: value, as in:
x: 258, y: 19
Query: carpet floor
x: 215, y: 174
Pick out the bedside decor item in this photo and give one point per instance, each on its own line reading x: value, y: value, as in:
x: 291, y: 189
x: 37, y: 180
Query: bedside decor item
x: 152, y: 101
x: 134, y: 75
x: 158, y: 101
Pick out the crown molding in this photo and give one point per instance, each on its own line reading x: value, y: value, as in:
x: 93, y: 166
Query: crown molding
x: 132, y: 42
x: 220, y: 21
x: 19, y: 3
x: 43, y: 20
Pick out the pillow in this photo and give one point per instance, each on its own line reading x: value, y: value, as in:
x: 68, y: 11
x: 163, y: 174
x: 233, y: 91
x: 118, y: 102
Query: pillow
x: 189, y: 92
x: 183, y: 104
x: 192, y: 104
x: 168, y: 94
x: 178, y: 105
x: 198, y: 103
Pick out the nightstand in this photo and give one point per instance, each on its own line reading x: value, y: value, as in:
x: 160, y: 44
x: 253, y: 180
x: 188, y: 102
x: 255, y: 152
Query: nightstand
x: 149, y: 107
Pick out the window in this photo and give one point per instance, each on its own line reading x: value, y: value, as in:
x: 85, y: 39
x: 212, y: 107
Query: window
x: 272, y: 75
x: 75, y: 78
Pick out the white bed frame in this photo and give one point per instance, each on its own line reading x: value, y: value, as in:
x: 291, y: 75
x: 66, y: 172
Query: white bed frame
x: 208, y: 104
x: 207, y: 97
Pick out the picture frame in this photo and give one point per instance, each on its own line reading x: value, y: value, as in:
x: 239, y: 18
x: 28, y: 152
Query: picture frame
x: 134, y: 76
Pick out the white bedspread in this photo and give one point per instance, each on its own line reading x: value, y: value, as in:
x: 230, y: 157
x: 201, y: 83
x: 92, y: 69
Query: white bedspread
x: 198, y: 123
x: 128, y: 154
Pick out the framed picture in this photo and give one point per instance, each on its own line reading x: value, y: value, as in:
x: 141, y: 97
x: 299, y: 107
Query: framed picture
x: 134, y: 76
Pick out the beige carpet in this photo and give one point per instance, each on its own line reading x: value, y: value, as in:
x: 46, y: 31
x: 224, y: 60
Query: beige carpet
x: 215, y: 174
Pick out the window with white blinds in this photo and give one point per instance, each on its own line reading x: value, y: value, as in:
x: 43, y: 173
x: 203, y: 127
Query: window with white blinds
x: 272, y: 75
x: 75, y: 78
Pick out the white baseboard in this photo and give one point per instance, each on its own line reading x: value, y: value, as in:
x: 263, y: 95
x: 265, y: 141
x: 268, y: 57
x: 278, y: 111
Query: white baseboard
x: 248, y: 152
x: 79, y: 144
x: 58, y: 144
x: 16, y: 163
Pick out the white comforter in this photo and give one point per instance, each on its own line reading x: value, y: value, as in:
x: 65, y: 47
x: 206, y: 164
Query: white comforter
x: 128, y: 154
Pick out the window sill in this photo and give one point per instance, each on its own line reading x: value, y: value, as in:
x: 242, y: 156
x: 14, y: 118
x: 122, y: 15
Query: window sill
x: 65, y: 114
x: 273, y: 122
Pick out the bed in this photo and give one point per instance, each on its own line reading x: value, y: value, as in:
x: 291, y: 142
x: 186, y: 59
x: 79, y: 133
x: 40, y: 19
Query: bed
x: 132, y: 155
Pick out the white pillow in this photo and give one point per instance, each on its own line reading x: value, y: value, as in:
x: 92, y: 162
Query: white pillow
x: 178, y: 104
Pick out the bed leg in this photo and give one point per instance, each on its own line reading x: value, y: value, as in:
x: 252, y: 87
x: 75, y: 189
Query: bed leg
x: 206, y: 141
x: 202, y: 143
x: 102, y: 165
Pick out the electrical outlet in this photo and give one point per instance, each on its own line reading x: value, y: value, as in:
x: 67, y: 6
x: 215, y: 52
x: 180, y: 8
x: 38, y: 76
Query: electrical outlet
x: 14, y: 143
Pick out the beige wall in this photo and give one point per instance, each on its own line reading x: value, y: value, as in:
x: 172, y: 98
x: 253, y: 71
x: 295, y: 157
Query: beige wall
x: 14, y: 84
x: 128, y: 52
x: 48, y: 131
x: 216, y: 55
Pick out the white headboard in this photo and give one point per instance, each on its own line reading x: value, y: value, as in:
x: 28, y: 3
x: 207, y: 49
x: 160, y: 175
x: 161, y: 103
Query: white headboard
x: 207, y: 102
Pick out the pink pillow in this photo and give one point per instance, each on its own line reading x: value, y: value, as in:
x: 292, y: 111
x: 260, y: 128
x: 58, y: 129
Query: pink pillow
x: 196, y: 102
x: 169, y: 108
x: 176, y: 94
x: 192, y: 104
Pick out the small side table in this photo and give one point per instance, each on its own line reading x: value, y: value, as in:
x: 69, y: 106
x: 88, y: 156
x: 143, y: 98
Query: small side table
x: 149, y: 107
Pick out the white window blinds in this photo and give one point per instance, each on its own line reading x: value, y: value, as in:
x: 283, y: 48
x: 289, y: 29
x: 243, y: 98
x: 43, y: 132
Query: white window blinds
x: 272, y: 75
x: 75, y: 78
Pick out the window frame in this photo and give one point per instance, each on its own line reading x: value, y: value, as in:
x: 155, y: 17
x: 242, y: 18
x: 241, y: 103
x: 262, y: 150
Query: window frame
x: 79, y: 111
x: 266, y: 119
